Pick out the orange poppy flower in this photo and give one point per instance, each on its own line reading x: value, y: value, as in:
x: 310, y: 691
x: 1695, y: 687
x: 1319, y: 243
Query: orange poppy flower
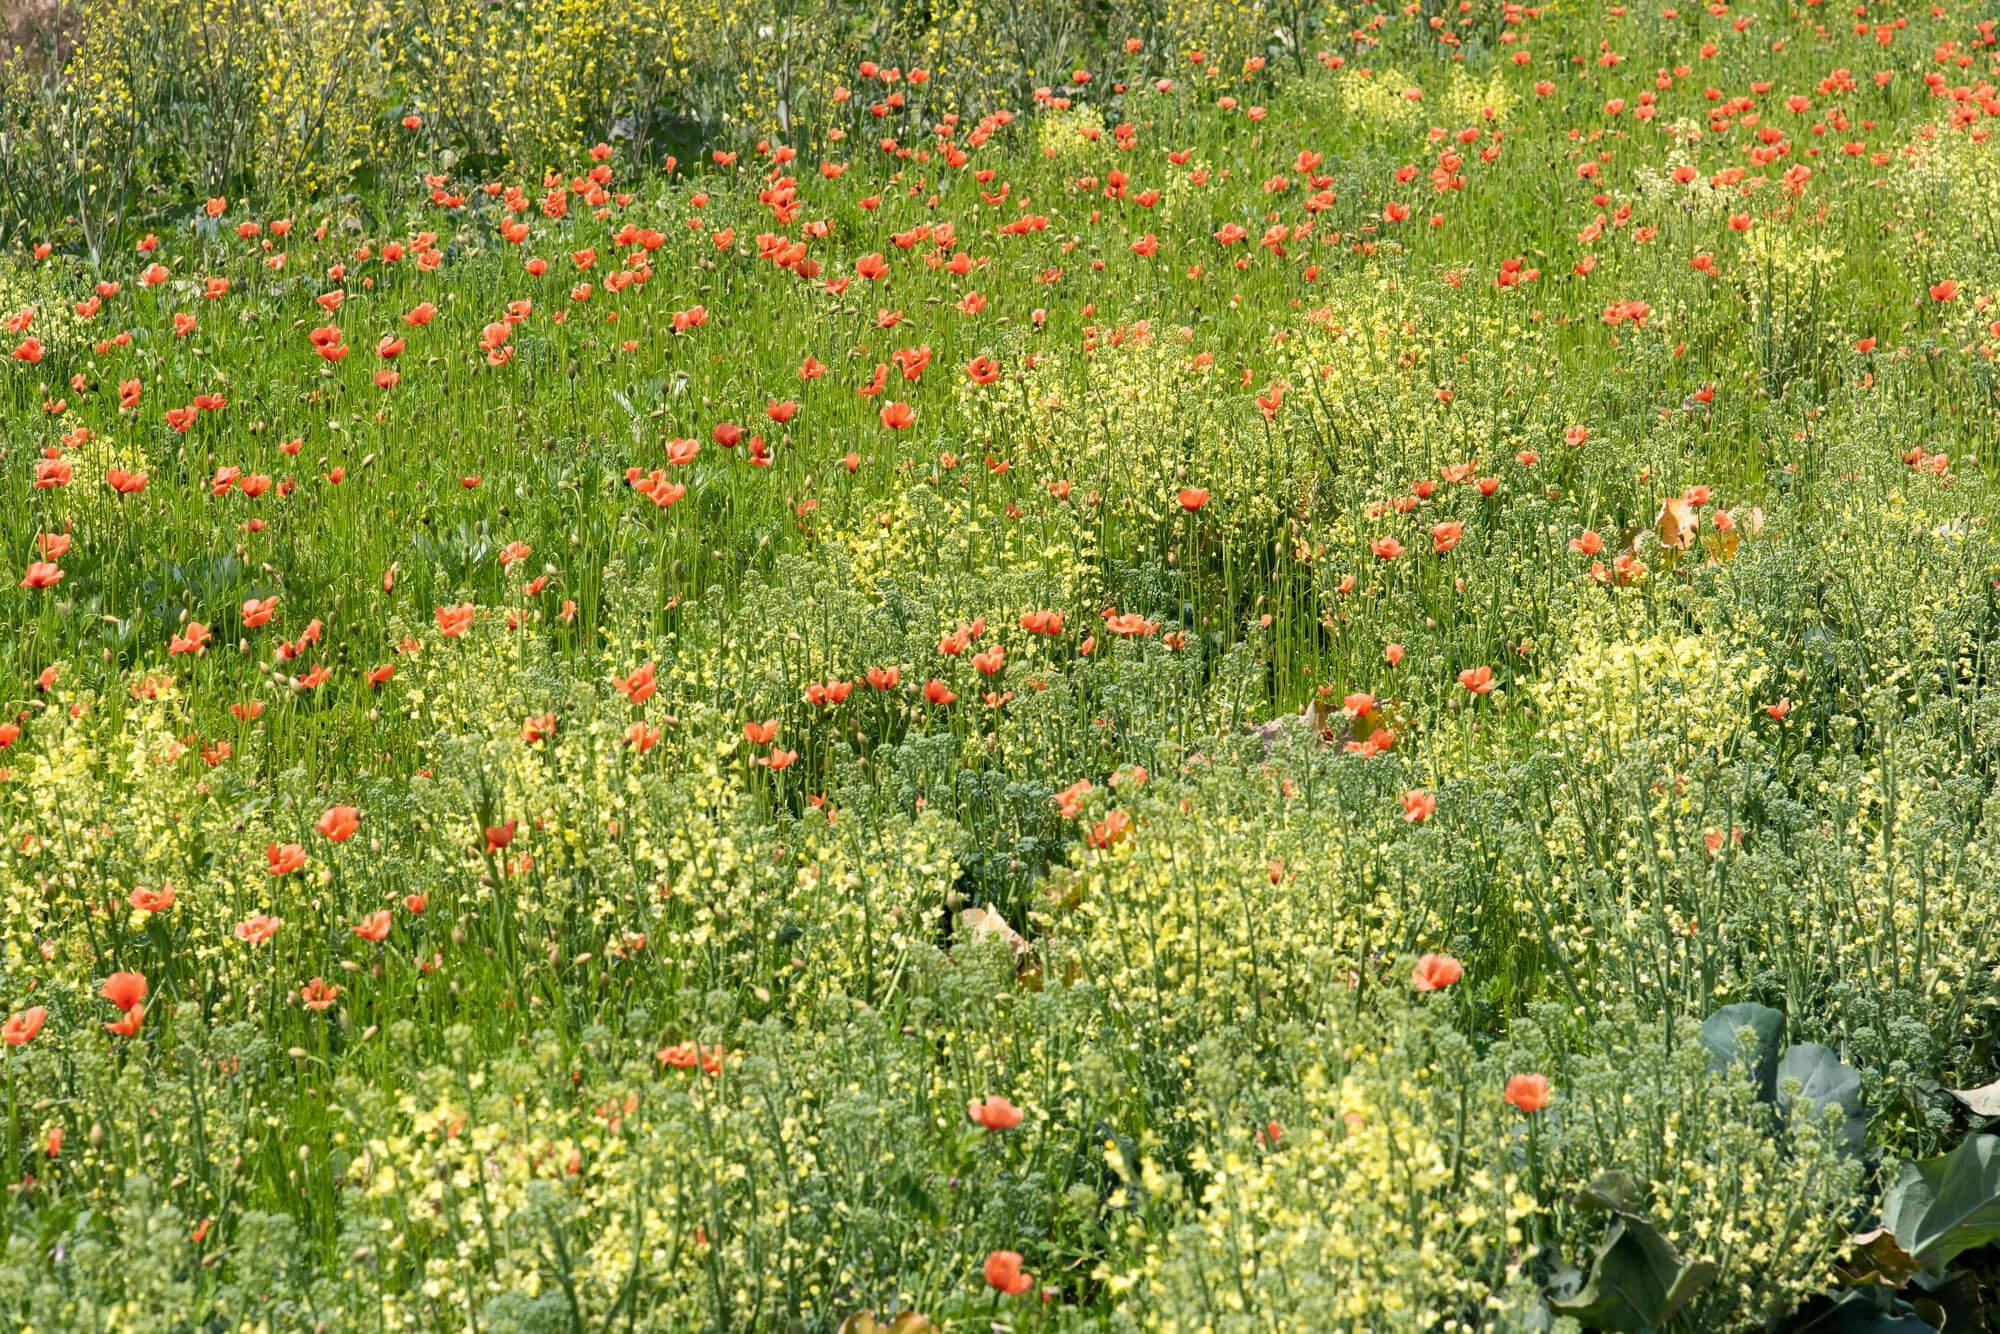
x: 339, y: 823
x: 22, y: 1026
x: 1435, y: 972
x: 1530, y: 1093
x: 124, y: 990
x: 1003, y: 1271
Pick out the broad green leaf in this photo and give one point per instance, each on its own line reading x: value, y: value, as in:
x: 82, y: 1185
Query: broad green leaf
x: 1879, y: 1260
x: 1943, y: 1206
x: 1617, y: 1192
x: 1637, y: 1280
x: 1982, y: 1101
x: 1719, y: 1035
x: 1860, y: 1311
x: 1825, y: 1081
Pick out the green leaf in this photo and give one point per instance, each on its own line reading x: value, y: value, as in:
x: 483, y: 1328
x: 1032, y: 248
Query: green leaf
x: 911, y: 1192
x: 1637, y: 1280
x: 1616, y: 1192
x: 1983, y: 1101
x: 1943, y: 1206
x: 1950, y: 1301
x: 1879, y: 1260
x: 1719, y: 1034
x: 1861, y: 1311
x: 1825, y: 1081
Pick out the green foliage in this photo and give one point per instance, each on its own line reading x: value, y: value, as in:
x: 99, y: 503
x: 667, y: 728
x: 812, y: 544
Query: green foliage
x: 1184, y: 683
x: 1938, y: 1208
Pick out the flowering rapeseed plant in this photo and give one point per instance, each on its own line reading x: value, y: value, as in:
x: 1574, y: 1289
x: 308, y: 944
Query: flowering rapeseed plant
x: 1237, y: 667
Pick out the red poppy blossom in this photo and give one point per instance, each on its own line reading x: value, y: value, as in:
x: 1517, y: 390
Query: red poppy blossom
x: 994, y: 1113
x: 1435, y: 972
x: 124, y: 990
x: 1003, y: 1272
x: 22, y: 1026
x: 338, y: 823
x: 1530, y: 1093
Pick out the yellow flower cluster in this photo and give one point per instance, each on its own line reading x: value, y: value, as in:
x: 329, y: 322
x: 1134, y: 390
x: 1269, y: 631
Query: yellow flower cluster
x: 1624, y: 689
x: 1369, y: 1213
